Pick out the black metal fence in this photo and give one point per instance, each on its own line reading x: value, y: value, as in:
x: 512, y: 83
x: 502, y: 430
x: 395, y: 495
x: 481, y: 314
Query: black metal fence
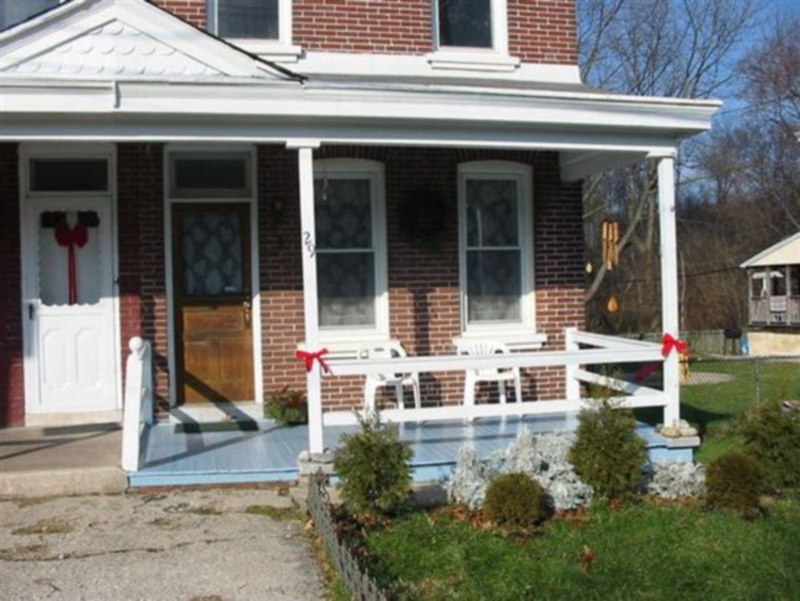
x: 355, y: 577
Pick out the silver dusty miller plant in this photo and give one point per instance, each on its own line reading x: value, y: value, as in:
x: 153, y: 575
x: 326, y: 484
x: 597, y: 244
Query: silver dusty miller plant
x: 541, y: 456
x: 677, y: 480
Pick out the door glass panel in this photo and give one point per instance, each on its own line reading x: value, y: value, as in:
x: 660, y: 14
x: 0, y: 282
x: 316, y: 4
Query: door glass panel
x: 212, y: 253
x: 69, y: 258
x: 69, y: 175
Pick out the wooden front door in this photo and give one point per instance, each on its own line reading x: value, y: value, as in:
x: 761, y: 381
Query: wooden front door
x: 212, y: 291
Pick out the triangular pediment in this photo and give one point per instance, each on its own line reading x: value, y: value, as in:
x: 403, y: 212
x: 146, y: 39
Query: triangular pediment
x: 122, y: 39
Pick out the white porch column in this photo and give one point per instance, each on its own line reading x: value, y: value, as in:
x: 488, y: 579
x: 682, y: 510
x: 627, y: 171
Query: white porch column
x: 310, y: 308
x: 670, y: 321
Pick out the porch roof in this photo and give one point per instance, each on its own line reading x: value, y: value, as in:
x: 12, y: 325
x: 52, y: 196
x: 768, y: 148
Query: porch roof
x: 211, y: 91
x: 785, y: 252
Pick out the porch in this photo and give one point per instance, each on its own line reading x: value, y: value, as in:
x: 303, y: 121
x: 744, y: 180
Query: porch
x: 269, y: 454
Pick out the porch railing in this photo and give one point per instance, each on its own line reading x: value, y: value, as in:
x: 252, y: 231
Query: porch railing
x: 582, y: 351
x: 775, y: 311
x: 138, y: 411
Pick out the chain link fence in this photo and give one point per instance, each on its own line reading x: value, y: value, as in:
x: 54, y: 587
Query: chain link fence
x: 742, y: 381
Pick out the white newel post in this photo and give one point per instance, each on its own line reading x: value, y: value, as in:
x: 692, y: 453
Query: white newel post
x: 310, y: 309
x: 669, y: 284
x: 572, y: 384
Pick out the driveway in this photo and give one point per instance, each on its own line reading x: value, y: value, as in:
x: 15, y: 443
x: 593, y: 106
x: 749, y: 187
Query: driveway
x: 188, y: 545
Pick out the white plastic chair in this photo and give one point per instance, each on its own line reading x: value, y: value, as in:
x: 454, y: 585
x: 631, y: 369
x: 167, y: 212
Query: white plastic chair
x: 388, y: 350
x: 499, y: 375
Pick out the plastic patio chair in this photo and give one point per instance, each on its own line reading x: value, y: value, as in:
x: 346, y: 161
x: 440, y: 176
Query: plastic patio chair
x: 388, y: 350
x: 499, y: 375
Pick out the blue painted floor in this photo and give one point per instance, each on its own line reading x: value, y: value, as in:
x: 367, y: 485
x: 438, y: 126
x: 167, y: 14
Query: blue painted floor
x: 270, y: 454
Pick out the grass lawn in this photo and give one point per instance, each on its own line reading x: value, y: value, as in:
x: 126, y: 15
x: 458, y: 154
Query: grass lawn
x: 641, y: 552
x: 715, y: 408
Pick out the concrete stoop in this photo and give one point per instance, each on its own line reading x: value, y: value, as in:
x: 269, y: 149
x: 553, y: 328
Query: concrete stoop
x: 63, y: 482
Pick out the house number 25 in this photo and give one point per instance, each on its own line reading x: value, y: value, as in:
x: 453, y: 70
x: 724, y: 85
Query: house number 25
x: 309, y: 244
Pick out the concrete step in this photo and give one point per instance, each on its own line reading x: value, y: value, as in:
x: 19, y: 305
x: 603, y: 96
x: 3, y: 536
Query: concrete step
x: 63, y: 482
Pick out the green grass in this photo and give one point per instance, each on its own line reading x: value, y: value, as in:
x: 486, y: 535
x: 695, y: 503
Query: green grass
x: 643, y: 552
x: 715, y: 408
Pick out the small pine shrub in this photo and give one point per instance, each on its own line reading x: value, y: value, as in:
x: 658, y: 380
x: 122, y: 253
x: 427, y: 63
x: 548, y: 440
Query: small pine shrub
x: 608, y: 454
x: 735, y: 481
x: 773, y: 438
x: 373, y: 465
x: 287, y: 407
x: 515, y: 500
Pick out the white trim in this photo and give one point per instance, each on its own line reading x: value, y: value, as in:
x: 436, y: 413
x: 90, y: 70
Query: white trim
x: 255, y: 290
x: 523, y: 175
x: 472, y: 60
x: 499, y: 16
x: 374, y: 171
x: 34, y: 150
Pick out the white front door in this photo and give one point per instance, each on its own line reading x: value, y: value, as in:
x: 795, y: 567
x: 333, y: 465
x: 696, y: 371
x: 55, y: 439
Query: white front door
x: 68, y: 305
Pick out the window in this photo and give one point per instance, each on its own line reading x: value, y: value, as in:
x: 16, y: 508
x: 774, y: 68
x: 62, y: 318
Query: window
x: 210, y: 175
x: 265, y: 20
x: 69, y: 175
x: 496, y: 231
x: 794, y: 280
x: 13, y: 12
x: 778, y: 279
x: 350, y: 246
x: 471, y: 24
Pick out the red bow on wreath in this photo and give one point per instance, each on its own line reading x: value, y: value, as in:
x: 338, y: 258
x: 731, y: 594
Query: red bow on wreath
x: 309, y: 359
x: 70, y: 238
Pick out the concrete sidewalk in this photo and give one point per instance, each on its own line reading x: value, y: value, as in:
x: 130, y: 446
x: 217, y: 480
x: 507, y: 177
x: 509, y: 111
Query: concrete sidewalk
x: 57, y: 461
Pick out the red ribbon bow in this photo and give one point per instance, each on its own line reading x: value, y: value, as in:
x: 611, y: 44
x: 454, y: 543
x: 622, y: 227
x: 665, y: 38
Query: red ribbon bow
x: 671, y: 343
x: 70, y: 238
x: 309, y: 359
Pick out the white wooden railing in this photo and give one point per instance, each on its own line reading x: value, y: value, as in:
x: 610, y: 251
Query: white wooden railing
x: 138, y: 411
x: 582, y: 350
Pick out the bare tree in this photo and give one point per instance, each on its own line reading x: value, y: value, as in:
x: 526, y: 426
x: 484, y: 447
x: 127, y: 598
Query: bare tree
x: 674, y: 48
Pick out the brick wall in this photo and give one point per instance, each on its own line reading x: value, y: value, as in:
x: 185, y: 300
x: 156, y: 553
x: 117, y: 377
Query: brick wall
x: 423, y: 283
x: 142, y: 275
x: 12, y: 383
x: 539, y: 31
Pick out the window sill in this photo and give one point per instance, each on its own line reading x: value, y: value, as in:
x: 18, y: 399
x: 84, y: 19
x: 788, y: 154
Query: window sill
x: 515, y: 341
x: 270, y: 50
x: 472, y: 61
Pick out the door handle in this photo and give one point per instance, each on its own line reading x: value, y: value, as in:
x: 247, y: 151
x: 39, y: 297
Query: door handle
x: 246, y: 309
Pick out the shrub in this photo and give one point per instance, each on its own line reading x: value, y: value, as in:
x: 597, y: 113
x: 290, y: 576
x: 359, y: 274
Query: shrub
x: 773, y: 438
x: 287, y: 407
x: 373, y: 465
x: 608, y: 454
x: 735, y: 481
x: 515, y: 500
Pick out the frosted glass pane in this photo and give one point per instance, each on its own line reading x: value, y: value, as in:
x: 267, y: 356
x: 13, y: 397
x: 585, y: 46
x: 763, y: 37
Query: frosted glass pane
x: 346, y: 283
x: 343, y: 213
x: 492, y: 217
x: 494, y: 285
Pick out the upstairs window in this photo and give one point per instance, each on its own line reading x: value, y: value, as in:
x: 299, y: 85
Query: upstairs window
x: 478, y: 25
x: 16, y: 11
x: 246, y: 19
x: 465, y: 23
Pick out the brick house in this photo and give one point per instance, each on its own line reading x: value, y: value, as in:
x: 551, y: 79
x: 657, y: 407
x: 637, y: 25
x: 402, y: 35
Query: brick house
x: 237, y: 180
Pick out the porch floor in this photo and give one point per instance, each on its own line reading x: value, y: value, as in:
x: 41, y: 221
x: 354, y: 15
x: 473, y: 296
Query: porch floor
x: 270, y: 454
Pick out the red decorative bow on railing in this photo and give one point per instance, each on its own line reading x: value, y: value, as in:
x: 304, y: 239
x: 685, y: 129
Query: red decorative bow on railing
x: 671, y: 343
x: 309, y: 359
x: 69, y: 238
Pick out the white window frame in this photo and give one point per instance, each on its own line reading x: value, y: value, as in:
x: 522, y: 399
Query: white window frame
x: 280, y: 49
x: 495, y: 58
x: 353, y: 336
x: 523, y: 330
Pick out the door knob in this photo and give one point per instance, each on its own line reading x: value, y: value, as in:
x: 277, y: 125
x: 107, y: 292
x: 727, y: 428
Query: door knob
x: 246, y: 309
